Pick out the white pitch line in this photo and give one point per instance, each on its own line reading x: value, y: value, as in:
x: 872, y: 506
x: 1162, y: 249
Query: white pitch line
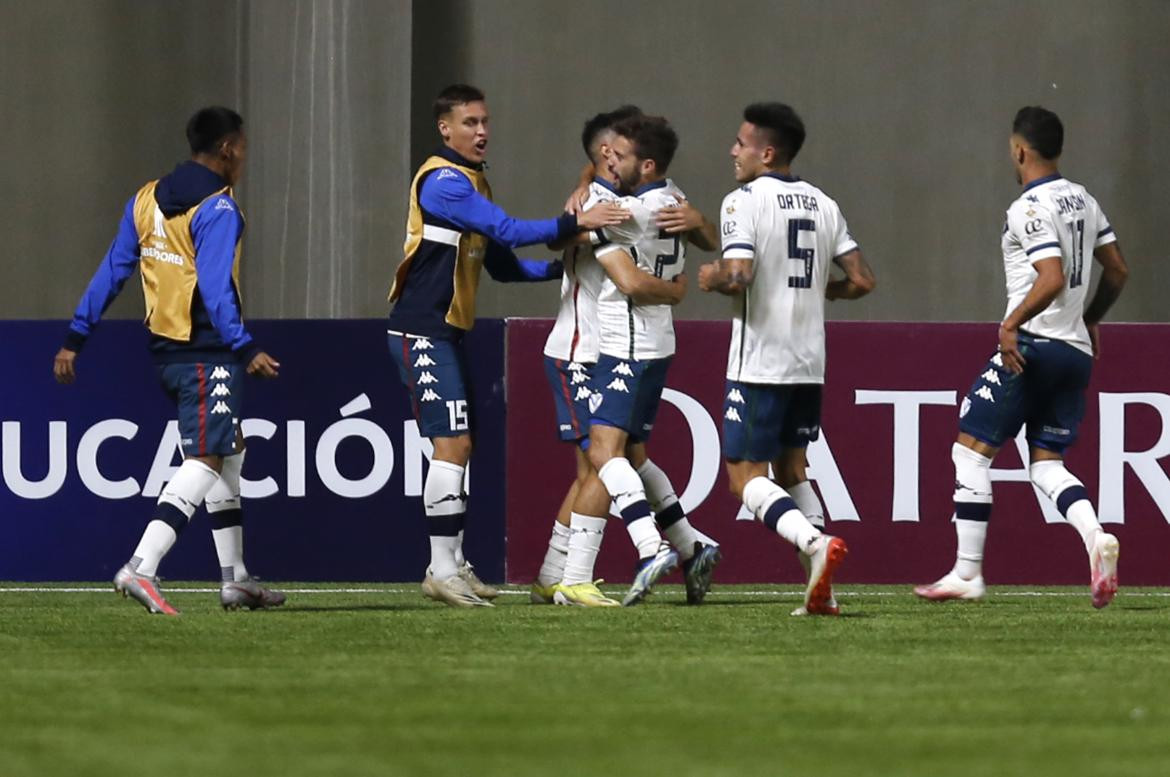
x: 108, y: 589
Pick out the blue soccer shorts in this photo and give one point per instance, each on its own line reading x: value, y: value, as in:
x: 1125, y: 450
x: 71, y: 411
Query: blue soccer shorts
x: 626, y: 394
x: 209, y: 397
x: 1048, y: 396
x: 434, y: 371
x: 761, y: 420
x: 569, y: 382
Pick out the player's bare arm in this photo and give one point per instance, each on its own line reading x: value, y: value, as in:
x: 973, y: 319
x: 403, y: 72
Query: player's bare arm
x: 1049, y: 282
x: 640, y: 286
x: 727, y: 276
x: 1114, y: 273
x: 858, y: 280
x: 686, y: 218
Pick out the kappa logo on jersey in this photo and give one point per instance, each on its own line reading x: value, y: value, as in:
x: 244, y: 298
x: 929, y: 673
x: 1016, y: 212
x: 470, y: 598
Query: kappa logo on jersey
x: 220, y: 408
x: 430, y: 396
x: 424, y: 361
x: 583, y: 393
x: 223, y: 204
x: 220, y: 373
x: 991, y: 376
x: 733, y: 415
x: 623, y: 369
x: 735, y: 396
x: 446, y: 173
x: 422, y: 344
x: 985, y: 393
x: 221, y: 390
x: 617, y: 384
x: 427, y: 378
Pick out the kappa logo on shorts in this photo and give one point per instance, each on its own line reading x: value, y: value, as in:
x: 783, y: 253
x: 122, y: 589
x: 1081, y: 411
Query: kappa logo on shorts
x: 427, y: 378
x: 579, y: 377
x: 221, y: 373
x: 733, y: 415
x: 623, y: 369
x: 735, y: 396
x: 991, y: 376
x: 422, y: 344
x: 617, y: 384
x: 808, y: 431
x: 221, y: 390
x: 220, y: 408
x: 997, y: 360
x: 583, y: 393
x: 430, y: 396
x: 575, y: 367
x: 985, y: 393
x: 424, y: 361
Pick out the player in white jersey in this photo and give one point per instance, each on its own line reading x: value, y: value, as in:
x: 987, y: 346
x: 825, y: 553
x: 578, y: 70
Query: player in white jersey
x: 780, y: 235
x: 1047, y: 342
x: 571, y: 352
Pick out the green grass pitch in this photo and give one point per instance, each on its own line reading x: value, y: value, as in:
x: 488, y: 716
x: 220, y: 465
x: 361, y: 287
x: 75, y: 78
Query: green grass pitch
x: 385, y: 683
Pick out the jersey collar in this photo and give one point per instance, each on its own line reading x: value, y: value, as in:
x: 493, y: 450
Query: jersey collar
x: 782, y: 177
x: 650, y: 187
x: 1044, y: 180
x: 451, y: 155
x: 597, y: 179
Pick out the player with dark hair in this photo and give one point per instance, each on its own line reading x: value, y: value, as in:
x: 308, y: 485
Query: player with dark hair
x: 570, y: 353
x: 183, y: 233
x: 1047, y: 342
x: 780, y: 237
x: 453, y: 230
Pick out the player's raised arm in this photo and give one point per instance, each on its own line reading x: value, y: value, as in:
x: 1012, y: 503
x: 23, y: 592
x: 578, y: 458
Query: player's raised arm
x: 119, y: 263
x: 505, y: 267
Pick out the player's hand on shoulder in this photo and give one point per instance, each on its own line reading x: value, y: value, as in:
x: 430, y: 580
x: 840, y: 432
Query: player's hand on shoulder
x: 603, y: 214
x: 63, y: 369
x: 682, y: 217
x: 577, y: 200
x: 263, y: 366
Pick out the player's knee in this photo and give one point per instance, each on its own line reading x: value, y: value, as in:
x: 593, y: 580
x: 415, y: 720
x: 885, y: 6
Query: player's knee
x: 456, y: 450
x: 598, y: 456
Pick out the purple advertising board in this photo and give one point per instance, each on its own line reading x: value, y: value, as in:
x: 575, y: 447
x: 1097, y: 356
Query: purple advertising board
x: 883, y: 464
x: 334, y: 469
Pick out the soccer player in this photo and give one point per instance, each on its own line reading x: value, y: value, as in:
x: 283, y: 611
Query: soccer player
x: 636, y: 344
x: 1047, y: 342
x: 571, y: 351
x: 780, y: 235
x: 454, y: 230
x: 183, y: 232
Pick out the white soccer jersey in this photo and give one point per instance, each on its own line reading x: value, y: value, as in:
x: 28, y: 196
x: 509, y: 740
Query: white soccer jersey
x: 574, y: 336
x: 1054, y: 218
x: 791, y: 230
x: 630, y: 331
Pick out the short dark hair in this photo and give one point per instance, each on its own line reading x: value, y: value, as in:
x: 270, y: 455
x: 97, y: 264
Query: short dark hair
x: 653, y: 138
x: 211, y: 125
x: 455, y: 94
x: 1041, y: 128
x: 603, y: 121
x: 784, y: 129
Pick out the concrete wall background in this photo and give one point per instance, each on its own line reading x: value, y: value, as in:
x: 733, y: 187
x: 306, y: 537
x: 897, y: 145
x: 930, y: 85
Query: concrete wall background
x: 908, y: 106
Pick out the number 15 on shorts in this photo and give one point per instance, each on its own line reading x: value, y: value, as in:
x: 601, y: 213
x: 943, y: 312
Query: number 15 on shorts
x: 457, y: 414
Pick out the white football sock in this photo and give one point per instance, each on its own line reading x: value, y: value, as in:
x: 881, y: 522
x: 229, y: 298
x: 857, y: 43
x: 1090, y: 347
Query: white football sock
x: 772, y: 505
x: 586, y: 533
x: 971, y: 537
x: 1070, y: 497
x: 176, y: 505
x: 973, y: 499
x: 459, y: 559
x: 224, y: 510
x: 625, y: 488
x: 445, y: 505
x: 645, y: 537
x: 552, y: 571
x: 808, y: 503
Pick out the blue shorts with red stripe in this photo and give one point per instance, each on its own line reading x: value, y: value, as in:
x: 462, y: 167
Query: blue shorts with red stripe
x: 209, y: 397
x: 569, y: 382
x: 434, y: 371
